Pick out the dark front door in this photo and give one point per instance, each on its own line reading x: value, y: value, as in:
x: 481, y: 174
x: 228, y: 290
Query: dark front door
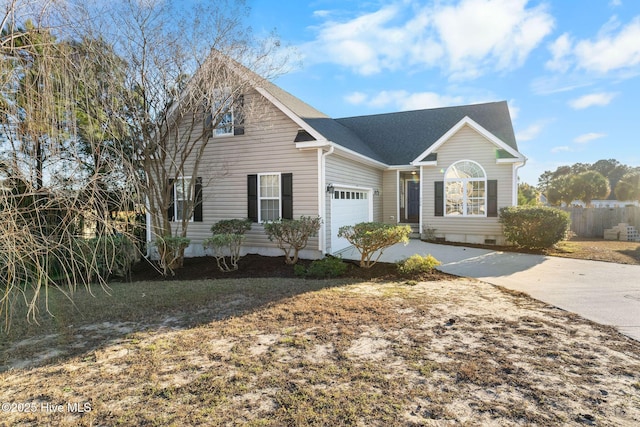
x: 413, y: 201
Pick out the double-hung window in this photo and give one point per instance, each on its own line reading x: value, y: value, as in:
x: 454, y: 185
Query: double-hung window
x: 269, y: 197
x: 182, y: 195
x: 465, y: 189
x: 186, y: 199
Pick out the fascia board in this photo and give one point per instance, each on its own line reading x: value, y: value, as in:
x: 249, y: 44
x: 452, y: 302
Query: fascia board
x: 293, y: 116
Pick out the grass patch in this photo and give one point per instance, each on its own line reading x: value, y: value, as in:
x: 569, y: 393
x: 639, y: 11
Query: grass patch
x: 272, y: 352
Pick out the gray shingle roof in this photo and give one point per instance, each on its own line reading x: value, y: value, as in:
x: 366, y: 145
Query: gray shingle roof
x: 398, y: 138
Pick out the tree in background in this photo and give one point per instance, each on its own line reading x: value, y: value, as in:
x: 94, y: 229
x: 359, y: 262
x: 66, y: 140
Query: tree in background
x: 628, y: 188
x: 611, y: 169
x: 560, y: 191
x: 589, y: 185
x: 528, y: 195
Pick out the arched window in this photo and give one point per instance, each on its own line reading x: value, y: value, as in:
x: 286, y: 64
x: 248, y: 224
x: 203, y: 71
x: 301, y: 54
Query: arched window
x: 465, y: 189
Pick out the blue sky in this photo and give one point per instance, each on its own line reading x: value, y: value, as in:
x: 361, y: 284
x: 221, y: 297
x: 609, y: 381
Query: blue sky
x: 570, y: 70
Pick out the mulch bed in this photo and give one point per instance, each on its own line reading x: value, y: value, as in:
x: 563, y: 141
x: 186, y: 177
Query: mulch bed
x: 205, y: 268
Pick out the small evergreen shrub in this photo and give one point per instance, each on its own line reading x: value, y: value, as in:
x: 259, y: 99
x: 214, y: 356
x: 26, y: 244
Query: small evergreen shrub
x: 373, y: 237
x: 324, y: 268
x: 292, y: 235
x: 534, y: 227
x: 171, y: 252
x: 226, y: 242
x: 418, y: 264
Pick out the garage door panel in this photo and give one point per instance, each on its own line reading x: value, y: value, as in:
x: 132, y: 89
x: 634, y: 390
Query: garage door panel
x: 348, y: 207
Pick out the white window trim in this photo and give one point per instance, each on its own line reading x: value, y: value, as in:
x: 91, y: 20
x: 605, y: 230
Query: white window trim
x: 260, y: 198
x: 175, y: 197
x: 465, y: 197
x: 225, y: 93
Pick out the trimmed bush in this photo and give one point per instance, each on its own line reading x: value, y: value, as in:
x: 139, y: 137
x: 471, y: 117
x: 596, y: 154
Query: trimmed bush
x: 226, y: 242
x: 171, y: 252
x: 373, y: 237
x: 418, y: 264
x: 534, y: 227
x: 323, y: 268
x: 292, y: 235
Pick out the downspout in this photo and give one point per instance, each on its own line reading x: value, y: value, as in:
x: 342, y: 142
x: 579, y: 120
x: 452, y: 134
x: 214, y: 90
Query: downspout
x: 516, y: 166
x: 421, y: 186
x: 322, y: 197
x: 148, y: 226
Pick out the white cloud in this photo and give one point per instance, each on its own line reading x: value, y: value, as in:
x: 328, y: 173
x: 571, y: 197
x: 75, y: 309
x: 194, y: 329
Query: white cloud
x: 594, y: 99
x: 402, y: 100
x: 562, y: 148
x: 610, y: 50
x: 356, y: 98
x: 530, y: 132
x: 587, y: 137
x: 498, y: 34
x: 615, y: 3
x: 467, y: 40
x: 560, y: 50
x: 614, y: 48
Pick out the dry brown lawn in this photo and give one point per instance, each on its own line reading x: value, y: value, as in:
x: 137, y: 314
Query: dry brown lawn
x: 274, y: 352
x: 599, y: 250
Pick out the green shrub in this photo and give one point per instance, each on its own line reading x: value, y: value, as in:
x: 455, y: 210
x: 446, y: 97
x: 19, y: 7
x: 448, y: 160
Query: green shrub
x: 418, y: 264
x: 372, y: 237
x: 226, y: 242
x: 292, y: 235
x: 231, y: 226
x: 171, y: 252
x: 534, y: 227
x: 324, y: 268
x: 105, y: 257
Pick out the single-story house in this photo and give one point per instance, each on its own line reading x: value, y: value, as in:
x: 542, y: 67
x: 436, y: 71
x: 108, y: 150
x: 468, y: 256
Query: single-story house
x: 448, y: 170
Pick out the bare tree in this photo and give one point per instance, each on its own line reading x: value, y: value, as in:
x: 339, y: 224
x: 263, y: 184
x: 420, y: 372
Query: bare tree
x: 48, y: 197
x: 186, y: 77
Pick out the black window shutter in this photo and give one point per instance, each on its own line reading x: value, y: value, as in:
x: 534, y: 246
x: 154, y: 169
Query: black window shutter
x: 287, y: 195
x: 492, y: 198
x: 439, y: 198
x: 252, y: 197
x: 197, y: 201
x: 171, y: 212
x: 238, y: 116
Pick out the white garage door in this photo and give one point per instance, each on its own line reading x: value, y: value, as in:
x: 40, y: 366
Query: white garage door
x: 348, y: 207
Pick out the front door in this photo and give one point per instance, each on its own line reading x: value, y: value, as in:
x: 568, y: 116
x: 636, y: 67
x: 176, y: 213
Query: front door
x: 413, y: 201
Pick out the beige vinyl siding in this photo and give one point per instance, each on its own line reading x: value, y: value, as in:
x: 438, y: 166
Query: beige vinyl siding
x: 340, y: 170
x: 390, y: 197
x: 466, y: 144
x: 266, y: 147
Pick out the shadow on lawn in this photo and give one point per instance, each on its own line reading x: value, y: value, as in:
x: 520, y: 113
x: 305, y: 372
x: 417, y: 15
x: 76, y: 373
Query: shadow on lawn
x: 87, y: 323
x: 199, y: 294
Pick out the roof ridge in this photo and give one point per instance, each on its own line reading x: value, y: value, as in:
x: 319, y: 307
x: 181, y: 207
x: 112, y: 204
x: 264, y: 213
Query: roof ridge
x: 422, y: 110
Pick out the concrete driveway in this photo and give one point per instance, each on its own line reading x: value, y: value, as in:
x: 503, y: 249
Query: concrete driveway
x: 604, y: 292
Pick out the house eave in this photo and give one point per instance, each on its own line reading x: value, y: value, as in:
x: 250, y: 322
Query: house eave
x: 293, y: 116
x: 312, y: 144
x: 358, y: 157
x: 514, y: 160
x: 430, y: 163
